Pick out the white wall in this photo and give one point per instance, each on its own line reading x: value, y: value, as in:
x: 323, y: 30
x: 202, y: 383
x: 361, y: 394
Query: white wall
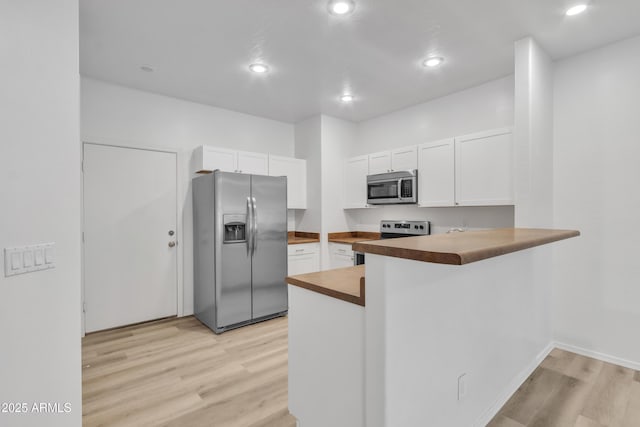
x: 324, y: 142
x: 40, y: 174
x: 337, y: 137
x: 307, y: 146
x: 597, y: 147
x: 114, y: 114
x: 487, y: 106
x: 479, y: 108
x: 533, y: 135
x: 442, y: 219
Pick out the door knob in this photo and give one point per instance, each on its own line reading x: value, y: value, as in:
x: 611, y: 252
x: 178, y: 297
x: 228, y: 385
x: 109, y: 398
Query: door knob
x: 172, y: 244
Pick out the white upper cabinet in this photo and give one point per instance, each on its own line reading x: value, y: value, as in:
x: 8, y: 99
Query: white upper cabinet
x: 253, y: 163
x: 379, y: 162
x: 484, y: 168
x: 296, y: 172
x: 436, y: 175
x: 355, y: 182
x: 405, y: 158
x: 208, y: 159
x: 471, y: 170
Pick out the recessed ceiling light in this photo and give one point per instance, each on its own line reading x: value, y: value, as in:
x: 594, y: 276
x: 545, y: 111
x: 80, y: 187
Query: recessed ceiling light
x: 433, y: 62
x: 577, y: 9
x: 147, y: 68
x: 341, y: 7
x: 259, y: 68
x: 346, y: 97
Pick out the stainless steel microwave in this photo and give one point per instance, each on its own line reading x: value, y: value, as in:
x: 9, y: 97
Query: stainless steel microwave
x: 399, y: 187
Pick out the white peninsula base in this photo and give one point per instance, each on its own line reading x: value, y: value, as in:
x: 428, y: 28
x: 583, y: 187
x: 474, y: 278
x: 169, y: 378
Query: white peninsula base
x: 435, y: 345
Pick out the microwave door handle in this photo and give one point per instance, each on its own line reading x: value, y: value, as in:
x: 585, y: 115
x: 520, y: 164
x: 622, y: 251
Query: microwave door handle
x: 400, y: 189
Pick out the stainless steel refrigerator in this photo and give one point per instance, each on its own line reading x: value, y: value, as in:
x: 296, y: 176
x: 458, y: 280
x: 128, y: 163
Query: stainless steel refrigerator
x: 240, y: 249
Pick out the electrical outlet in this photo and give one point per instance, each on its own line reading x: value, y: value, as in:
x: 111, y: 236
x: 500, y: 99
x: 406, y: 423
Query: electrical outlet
x: 462, y: 387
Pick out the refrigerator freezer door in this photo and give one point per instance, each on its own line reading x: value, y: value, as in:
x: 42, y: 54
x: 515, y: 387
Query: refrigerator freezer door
x: 204, y: 301
x: 233, y: 263
x: 269, y: 264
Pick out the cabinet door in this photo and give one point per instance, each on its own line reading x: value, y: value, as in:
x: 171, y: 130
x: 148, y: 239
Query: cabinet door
x: 355, y: 182
x: 436, y: 174
x: 302, y: 264
x: 380, y: 162
x: 405, y: 158
x: 340, y: 255
x: 213, y: 158
x: 484, y: 168
x: 339, y: 261
x: 253, y: 163
x: 296, y: 172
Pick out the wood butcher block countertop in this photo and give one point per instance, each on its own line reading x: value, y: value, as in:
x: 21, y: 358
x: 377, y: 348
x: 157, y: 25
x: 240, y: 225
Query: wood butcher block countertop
x: 345, y: 283
x: 350, y: 237
x: 464, y: 247
x: 298, y: 237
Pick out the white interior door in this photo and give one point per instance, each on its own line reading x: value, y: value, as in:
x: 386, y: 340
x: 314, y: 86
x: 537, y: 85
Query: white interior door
x: 130, y: 269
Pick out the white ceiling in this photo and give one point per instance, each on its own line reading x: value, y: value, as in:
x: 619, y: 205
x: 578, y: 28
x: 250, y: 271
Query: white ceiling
x: 200, y: 49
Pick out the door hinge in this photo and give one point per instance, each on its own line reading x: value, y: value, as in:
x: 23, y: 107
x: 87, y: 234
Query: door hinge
x: 83, y: 237
x: 84, y: 306
x: 82, y: 166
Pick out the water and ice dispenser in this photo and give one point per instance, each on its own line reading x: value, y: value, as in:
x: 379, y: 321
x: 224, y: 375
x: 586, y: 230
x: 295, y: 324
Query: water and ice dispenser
x: 235, y: 228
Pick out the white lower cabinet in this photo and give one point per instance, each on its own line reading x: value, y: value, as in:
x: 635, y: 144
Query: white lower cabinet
x: 304, y: 258
x: 340, y: 255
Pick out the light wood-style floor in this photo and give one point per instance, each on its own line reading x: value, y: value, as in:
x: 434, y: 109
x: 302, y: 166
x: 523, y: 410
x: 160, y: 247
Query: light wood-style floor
x: 568, y: 390
x: 178, y: 373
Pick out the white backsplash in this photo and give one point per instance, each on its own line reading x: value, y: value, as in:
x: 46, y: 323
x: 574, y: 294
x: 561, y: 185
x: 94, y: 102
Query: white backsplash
x: 291, y: 220
x: 442, y: 219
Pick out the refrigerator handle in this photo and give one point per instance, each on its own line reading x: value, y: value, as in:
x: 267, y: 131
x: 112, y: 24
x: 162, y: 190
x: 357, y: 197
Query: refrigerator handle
x: 254, y: 228
x: 249, y: 236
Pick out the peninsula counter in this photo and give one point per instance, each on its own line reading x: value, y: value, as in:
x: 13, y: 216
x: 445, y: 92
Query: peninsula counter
x: 450, y: 326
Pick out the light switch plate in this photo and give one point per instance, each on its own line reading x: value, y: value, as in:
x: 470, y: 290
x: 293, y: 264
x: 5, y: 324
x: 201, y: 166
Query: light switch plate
x: 26, y: 259
x: 38, y: 255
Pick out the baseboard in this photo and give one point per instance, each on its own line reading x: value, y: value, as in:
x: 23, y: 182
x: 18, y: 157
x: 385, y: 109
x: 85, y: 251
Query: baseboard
x: 599, y: 356
x: 513, y: 386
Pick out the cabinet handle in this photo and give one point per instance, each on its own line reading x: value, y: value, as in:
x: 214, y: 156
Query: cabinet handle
x: 342, y: 250
x: 299, y: 250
